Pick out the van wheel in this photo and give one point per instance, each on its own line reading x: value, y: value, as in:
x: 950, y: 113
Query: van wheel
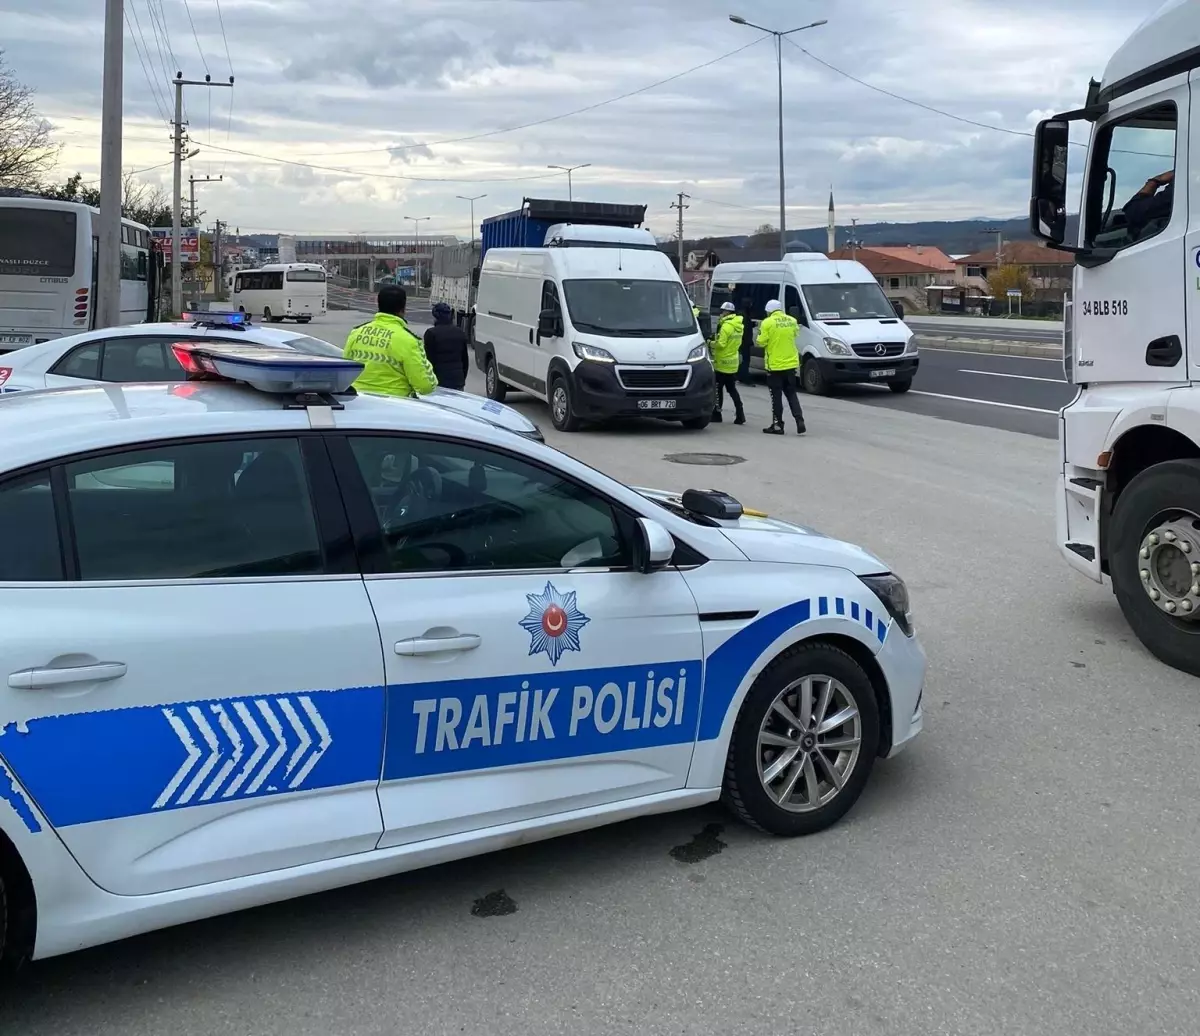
x: 496, y: 389
x: 812, y: 380
x: 697, y: 424
x: 804, y: 742
x: 562, y: 411
x: 900, y: 387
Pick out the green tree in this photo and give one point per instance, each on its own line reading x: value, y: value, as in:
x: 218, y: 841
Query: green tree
x: 27, y: 151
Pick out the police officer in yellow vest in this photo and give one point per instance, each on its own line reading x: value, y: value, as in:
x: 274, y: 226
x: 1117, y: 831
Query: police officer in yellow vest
x: 777, y: 336
x: 725, y: 347
x: 393, y: 358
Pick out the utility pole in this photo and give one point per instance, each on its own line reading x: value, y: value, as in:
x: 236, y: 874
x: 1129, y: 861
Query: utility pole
x: 177, y: 192
x: 463, y: 197
x: 416, y: 222
x: 218, y: 266
x: 192, y: 181
x: 853, y: 238
x: 680, y: 205
x: 569, y: 169
x: 108, y: 279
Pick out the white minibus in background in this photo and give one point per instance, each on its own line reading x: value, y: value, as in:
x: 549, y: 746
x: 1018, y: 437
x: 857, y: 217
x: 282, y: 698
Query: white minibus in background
x: 281, y: 291
x: 48, y: 270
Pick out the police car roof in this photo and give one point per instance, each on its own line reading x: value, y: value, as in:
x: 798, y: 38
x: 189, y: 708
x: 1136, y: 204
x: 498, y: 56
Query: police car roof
x: 41, y: 425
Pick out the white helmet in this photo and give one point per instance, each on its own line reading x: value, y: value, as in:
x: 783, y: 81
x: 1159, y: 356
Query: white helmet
x: 727, y: 307
x: 774, y: 306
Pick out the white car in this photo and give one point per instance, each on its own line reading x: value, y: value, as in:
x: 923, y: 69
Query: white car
x: 260, y: 644
x: 146, y: 353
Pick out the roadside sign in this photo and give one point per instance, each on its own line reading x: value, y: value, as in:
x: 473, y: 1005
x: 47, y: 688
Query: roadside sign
x: 1014, y: 293
x: 189, y: 243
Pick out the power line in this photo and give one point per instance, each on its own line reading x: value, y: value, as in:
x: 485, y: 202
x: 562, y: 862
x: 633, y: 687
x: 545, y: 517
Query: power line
x: 550, y: 118
x: 154, y: 92
x: 128, y: 172
x: 224, y: 38
x: 158, y: 43
x: 162, y: 21
x: 203, y: 60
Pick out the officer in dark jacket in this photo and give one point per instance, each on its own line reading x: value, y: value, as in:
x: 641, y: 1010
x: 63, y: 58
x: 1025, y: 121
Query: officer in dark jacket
x: 446, y: 347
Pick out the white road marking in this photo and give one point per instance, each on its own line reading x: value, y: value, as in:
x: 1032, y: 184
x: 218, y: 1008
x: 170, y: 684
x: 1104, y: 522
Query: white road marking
x: 1022, y: 377
x: 985, y: 402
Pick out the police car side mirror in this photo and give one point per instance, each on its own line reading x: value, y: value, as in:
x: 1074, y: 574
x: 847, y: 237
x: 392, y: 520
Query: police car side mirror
x: 656, y: 546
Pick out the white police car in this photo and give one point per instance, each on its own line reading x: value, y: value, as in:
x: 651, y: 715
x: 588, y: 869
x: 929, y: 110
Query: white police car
x: 259, y: 642
x: 146, y: 353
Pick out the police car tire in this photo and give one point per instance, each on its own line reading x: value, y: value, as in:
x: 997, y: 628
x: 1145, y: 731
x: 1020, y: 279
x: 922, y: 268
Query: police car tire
x: 1174, y: 484
x: 743, y: 793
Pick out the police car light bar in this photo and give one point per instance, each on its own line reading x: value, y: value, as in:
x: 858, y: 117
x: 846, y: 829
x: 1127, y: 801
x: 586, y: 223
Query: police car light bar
x: 217, y: 318
x: 277, y: 371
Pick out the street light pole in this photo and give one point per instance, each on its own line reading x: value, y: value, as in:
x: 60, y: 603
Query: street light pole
x: 737, y: 19
x: 569, y: 169
x: 463, y: 197
x: 416, y: 222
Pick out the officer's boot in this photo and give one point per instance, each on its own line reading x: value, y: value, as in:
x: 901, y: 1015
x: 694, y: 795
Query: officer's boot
x: 741, y: 416
x: 774, y: 428
x: 716, y: 416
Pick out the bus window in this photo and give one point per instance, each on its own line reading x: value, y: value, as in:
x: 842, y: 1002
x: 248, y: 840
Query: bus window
x: 37, y: 242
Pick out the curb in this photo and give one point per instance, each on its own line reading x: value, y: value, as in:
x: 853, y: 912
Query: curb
x: 1005, y: 347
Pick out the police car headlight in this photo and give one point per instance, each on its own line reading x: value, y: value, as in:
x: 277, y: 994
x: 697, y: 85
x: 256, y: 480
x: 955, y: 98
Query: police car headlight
x: 890, y: 589
x: 698, y: 355
x: 837, y: 347
x: 593, y: 353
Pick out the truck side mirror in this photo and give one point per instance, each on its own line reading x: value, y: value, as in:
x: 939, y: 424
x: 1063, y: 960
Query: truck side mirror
x: 1048, y: 199
x: 548, y: 324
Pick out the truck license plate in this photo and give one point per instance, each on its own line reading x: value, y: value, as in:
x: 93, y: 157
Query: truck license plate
x: 656, y: 404
x: 890, y: 373
x: 16, y: 339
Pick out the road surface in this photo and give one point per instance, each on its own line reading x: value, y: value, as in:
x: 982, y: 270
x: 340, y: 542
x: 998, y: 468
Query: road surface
x: 1044, y: 331
x: 1028, y: 868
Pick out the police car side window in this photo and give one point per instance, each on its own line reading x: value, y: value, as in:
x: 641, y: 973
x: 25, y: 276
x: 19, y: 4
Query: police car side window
x: 83, y: 362
x: 194, y: 510
x: 454, y: 507
x: 139, y: 359
x: 27, y: 518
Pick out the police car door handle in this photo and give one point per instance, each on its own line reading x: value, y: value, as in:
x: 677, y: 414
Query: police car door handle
x: 437, y: 645
x: 35, y: 679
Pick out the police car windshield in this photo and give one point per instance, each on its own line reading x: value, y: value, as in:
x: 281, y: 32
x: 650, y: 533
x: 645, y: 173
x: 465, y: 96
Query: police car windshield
x: 312, y: 346
x: 629, y: 309
x: 848, y: 302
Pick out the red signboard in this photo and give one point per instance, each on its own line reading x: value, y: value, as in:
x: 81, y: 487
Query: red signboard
x: 189, y: 243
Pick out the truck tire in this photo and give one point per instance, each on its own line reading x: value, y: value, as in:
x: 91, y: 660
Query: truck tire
x: 562, y: 409
x: 812, y: 380
x: 778, y: 776
x: 1154, y: 516
x: 495, y: 388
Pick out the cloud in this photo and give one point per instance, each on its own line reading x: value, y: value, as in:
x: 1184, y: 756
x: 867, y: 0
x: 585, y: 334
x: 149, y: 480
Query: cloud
x: 379, y: 89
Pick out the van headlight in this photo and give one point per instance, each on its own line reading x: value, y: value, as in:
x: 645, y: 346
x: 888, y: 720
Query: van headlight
x: 910, y: 346
x: 593, y: 353
x: 837, y: 347
x: 698, y: 354
x: 890, y: 589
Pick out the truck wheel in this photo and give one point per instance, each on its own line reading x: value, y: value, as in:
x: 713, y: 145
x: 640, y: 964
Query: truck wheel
x: 812, y: 380
x: 804, y: 742
x: 496, y: 389
x: 562, y: 411
x: 1154, y: 561
x: 900, y: 387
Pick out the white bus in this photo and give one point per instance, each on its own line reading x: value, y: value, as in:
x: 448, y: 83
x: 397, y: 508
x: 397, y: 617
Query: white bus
x: 281, y: 291
x: 48, y: 270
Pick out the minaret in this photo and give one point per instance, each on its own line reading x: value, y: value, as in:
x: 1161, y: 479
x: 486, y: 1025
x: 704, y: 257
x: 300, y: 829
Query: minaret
x: 832, y: 229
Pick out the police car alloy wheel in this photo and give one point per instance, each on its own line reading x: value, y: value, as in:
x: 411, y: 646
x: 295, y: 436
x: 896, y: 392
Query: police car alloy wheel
x: 805, y: 742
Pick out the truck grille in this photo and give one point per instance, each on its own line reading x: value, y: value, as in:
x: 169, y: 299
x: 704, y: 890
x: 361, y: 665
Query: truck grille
x: 878, y: 350
x: 655, y: 379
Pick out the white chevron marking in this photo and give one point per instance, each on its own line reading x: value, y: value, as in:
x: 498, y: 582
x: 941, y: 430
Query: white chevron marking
x: 280, y: 748
x: 193, y: 753
x: 260, y: 748
x: 214, y: 749
x: 235, y: 737
x: 305, y: 740
x: 322, y: 732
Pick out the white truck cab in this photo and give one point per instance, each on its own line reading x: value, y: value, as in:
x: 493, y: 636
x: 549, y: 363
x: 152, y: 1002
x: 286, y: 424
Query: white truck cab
x: 597, y: 323
x: 849, y: 331
x: 1128, y: 500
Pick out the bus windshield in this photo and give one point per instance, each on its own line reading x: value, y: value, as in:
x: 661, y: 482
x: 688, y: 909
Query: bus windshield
x: 630, y: 309
x: 37, y: 242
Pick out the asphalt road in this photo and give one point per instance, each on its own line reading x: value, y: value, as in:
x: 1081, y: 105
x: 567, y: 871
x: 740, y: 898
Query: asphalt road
x: 1027, y: 868
x: 969, y: 327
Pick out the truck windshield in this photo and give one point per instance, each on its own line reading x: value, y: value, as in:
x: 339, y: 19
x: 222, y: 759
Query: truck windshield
x: 630, y: 309
x: 848, y: 302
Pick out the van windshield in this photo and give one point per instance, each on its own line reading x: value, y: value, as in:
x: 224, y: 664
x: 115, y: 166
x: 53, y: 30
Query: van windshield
x: 630, y: 309
x: 848, y: 302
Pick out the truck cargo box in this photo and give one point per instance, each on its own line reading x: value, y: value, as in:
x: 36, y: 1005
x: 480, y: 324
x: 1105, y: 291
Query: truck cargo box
x: 526, y: 227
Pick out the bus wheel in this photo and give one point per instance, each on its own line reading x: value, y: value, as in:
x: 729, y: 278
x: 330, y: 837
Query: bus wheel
x: 267, y: 315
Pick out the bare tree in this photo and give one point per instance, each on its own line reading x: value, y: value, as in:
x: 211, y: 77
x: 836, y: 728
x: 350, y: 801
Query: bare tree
x: 26, y: 151
x: 140, y: 201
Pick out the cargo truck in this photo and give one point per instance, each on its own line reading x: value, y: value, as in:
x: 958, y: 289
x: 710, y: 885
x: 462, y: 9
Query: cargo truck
x: 455, y: 278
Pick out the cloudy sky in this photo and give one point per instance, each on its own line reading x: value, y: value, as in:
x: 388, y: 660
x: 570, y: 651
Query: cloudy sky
x: 350, y: 115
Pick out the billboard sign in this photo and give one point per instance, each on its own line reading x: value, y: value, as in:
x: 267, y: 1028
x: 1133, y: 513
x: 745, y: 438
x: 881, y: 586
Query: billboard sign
x: 189, y: 243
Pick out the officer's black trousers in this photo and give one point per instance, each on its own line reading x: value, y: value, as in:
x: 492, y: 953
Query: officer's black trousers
x: 780, y: 384
x: 728, y: 382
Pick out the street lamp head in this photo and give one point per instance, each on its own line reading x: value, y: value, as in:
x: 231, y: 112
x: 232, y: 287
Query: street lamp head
x: 823, y: 21
x: 737, y: 19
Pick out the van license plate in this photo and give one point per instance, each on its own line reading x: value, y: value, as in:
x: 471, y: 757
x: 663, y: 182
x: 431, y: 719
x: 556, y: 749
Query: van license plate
x: 16, y: 339
x: 891, y: 373
x: 656, y: 404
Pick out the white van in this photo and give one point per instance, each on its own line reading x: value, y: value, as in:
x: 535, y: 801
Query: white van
x: 849, y: 331
x: 597, y: 323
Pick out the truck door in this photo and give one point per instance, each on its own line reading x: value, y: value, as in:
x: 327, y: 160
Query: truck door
x: 1129, y: 305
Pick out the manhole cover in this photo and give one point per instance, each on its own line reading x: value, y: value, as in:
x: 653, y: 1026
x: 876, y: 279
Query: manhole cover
x: 709, y: 459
